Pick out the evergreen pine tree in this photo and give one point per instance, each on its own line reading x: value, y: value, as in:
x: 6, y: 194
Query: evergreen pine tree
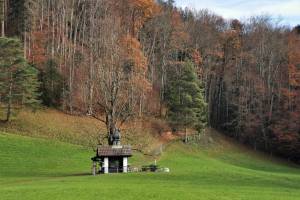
x: 20, y: 17
x: 52, y: 82
x: 18, y: 79
x: 185, y: 100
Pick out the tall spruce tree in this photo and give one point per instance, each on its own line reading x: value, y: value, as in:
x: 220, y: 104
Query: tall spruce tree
x: 20, y: 16
x: 185, y: 100
x: 51, y: 84
x: 18, y: 79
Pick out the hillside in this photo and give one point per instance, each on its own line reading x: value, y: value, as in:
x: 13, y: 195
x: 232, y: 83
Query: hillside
x: 217, y: 168
x: 82, y: 130
x: 94, y: 93
x: 119, y: 59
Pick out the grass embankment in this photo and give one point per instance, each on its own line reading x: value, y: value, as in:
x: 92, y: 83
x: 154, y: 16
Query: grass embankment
x: 80, y: 130
x: 42, y: 169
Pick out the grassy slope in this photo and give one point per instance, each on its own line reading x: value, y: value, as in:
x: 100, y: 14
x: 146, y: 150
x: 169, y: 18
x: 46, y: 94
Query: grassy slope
x: 81, y: 130
x: 43, y: 169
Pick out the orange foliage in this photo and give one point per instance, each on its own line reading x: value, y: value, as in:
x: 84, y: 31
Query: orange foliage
x: 135, y: 12
x: 196, y: 56
x: 146, y: 7
x: 133, y: 52
x: 294, y: 60
x: 179, y: 36
x: 38, y: 49
x: 232, y: 39
x: 143, y: 10
x: 135, y: 56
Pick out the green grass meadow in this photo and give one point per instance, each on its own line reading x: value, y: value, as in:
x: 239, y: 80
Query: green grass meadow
x: 49, y: 170
x: 44, y: 169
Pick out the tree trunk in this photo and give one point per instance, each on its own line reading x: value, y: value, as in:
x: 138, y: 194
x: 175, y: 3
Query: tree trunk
x: 3, y: 26
x: 111, y: 126
x: 3, y: 19
x: 186, y: 137
x: 9, y: 104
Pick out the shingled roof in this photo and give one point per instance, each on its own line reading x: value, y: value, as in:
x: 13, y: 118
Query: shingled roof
x: 114, y: 151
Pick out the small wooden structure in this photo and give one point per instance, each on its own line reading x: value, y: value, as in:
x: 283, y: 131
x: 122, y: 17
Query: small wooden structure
x: 112, y: 158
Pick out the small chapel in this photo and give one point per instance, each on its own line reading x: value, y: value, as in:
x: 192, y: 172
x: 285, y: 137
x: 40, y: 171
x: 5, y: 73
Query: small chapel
x: 112, y: 158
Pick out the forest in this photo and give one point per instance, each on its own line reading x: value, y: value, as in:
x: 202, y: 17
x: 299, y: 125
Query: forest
x: 116, y: 60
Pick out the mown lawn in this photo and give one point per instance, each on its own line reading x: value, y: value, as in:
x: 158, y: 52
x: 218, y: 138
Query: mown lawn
x: 43, y: 169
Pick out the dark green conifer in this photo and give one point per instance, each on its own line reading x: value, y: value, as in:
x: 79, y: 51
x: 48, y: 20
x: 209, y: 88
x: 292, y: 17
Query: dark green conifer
x: 187, y: 106
x: 18, y: 80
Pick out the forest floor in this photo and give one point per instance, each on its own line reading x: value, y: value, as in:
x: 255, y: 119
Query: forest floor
x: 217, y: 168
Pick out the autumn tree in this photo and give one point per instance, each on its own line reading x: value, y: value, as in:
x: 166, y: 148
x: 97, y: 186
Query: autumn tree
x: 134, y: 13
x: 120, y: 72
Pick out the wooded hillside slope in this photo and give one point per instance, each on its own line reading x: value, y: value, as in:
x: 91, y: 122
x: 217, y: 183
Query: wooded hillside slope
x: 136, y: 58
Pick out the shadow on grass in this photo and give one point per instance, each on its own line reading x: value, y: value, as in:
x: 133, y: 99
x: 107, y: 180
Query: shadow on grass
x: 79, y: 174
